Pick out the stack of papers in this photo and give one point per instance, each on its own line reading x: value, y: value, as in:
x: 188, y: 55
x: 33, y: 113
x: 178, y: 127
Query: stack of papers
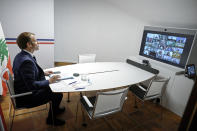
x: 77, y: 84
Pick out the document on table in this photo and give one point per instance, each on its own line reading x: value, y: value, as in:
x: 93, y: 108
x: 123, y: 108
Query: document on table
x: 58, y: 87
x: 77, y: 84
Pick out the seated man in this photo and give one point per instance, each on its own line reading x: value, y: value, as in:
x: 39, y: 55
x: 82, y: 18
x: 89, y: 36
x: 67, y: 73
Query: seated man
x: 29, y: 77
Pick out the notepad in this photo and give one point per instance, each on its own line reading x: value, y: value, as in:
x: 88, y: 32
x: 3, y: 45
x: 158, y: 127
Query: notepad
x: 82, y: 84
x: 77, y: 83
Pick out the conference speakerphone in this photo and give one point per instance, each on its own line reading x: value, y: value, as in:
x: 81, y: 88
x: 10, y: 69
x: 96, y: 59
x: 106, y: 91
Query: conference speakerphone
x: 75, y: 74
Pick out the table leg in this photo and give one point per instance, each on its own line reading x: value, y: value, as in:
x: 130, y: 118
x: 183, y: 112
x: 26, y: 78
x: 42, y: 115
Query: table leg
x: 68, y: 100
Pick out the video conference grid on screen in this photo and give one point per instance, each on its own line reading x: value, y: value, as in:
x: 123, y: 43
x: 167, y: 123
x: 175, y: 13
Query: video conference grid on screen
x: 164, y: 47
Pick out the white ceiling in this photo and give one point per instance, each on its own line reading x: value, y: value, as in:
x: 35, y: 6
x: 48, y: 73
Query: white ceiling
x: 178, y: 13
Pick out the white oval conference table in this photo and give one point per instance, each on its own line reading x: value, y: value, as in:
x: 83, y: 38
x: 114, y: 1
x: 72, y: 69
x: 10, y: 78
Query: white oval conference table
x: 98, y: 76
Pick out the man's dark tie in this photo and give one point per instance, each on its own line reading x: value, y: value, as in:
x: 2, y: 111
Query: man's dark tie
x: 34, y: 58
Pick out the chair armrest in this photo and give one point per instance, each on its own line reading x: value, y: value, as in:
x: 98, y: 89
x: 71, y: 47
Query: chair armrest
x: 22, y: 94
x: 87, y: 101
x: 126, y: 98
x: 141, y: 87
x: 161, y: 80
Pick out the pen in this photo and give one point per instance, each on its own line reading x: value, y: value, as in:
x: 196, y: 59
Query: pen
x: 79, y: 88
x: 72, y: 82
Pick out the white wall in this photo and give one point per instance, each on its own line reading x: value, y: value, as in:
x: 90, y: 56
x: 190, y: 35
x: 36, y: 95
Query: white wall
x: 91, y: 26
x: 113, y: 28
x: 35, y: 16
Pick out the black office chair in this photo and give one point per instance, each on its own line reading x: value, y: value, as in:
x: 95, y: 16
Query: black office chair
x: 10, y: 84
x: 154, y: 89
x: 104, y: 103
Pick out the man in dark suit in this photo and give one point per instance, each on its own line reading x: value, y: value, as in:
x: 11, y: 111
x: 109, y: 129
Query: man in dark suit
x: 29, y: 76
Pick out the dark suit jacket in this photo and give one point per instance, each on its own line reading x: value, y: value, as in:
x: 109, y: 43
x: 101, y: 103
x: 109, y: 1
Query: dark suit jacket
x: 28, y: 76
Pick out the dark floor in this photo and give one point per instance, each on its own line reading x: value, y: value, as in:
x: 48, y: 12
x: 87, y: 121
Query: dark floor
x: 147, y: 118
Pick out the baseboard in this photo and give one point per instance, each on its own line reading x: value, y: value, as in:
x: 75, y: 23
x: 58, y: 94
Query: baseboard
x: 63, y: 63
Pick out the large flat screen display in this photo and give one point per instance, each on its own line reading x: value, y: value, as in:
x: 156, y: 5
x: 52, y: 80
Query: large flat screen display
x: 168, y: 47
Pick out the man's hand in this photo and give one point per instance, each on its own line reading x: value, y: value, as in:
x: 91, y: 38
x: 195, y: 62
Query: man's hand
x: 54, y: 79
x: 47, y: 73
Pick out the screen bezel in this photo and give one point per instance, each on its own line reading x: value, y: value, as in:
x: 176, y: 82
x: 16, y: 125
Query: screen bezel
x: 186, y: 50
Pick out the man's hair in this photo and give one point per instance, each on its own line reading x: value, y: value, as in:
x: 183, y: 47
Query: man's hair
x: 23, y: 38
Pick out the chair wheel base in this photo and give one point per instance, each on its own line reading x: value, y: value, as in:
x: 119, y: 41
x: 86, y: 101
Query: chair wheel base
x: 84, y: 124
